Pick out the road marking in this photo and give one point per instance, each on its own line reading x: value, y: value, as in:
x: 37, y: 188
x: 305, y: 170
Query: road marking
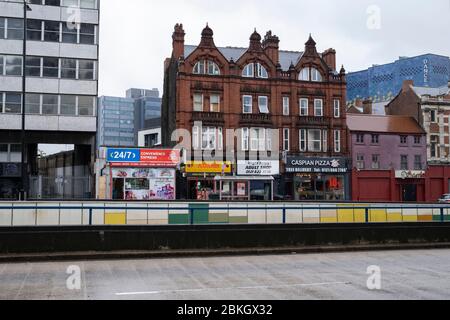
x: 233, y: 288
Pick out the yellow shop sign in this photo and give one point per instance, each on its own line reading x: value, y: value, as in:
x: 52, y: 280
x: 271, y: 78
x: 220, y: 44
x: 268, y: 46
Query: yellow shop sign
x: 208, y: 167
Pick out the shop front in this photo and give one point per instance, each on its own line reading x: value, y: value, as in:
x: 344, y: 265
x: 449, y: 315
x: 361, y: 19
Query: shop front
x: 142, y: 174
x: 254, y: 181
x: 201, y: 183
x: 411, y: 185
x: 319, y: 179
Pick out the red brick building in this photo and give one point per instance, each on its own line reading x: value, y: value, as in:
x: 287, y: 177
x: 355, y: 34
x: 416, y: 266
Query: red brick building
x: 254, y: 90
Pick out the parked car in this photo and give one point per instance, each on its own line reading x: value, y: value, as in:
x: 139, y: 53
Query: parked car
x: 445, y: 199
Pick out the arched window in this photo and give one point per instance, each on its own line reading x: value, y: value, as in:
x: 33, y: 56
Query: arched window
x: 310, y: 74
x: 315, y: 75
x: 255, y: 70
x: 206, y: 67
x: 262, y: 72
x: 304, y: 74
x: 249, y: 71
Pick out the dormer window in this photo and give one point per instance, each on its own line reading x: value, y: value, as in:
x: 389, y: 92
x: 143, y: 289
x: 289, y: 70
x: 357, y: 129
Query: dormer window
x: 310, y: 74
x: 249, y: 71
x: 206, y: 67
x: 315, y: 75
x: 304, y: 74
x: 262, y: 72
x: 255, y: 70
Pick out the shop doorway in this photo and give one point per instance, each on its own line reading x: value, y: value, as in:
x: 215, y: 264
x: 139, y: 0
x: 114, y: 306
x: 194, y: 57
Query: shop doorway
x: 202, y: 190
x: 118, y: 189
x: 409, y: 193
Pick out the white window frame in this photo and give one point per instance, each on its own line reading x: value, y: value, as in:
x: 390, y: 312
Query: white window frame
x: 195, y: 137
x: 316, y: 76
x: 244, y: 104
x: 268, y: 139
x: 433, y: 114
x: 198, y: 67
x: 202, y: 102
x: 286, y: 140
x: 302, y: 114
x: 219, y: 138
x: 360, y: 161
x: 312, y: 141
x: 258, y: 140
x: 261, y: 71
x: 337, y: 108
x: 263, y: 107
x: 245, y: 139
x: 303, y: 140
x: 337, y: 141
x: 211, y: 104
x: 249, y: 71
x: 325, y: 140
x: 304, y: 74
x: 215, y: 68
x: 286, y: 105
x: 316, y: 114
x: 211, y: 134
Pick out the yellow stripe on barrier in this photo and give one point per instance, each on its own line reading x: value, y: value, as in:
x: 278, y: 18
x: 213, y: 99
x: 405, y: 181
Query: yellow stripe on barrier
x: 115, y: 218
x: 378, y: 215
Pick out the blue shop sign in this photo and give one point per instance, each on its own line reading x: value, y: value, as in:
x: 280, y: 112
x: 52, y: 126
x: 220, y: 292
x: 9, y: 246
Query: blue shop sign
x: 124, y: 155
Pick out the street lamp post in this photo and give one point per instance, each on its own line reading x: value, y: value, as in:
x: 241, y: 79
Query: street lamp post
x: 24, y: 186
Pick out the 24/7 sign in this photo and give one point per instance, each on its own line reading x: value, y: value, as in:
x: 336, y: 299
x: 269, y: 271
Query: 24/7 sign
x: 124, y: 155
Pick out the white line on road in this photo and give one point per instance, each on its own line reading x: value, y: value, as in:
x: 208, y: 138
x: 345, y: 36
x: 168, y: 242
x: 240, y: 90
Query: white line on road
x: 233, y: 288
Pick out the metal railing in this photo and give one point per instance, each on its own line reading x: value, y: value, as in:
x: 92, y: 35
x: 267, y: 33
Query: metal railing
x: 192, y: 214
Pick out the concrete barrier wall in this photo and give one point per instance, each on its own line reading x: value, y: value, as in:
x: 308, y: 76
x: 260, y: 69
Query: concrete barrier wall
x: 184, y: 213
x: 164, y: 238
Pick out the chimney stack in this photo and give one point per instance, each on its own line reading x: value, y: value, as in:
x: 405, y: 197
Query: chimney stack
x: 367, y: 107
x: 271, y: 46
x: 178, y: 41
x: 329, y: 56
x: 407, y: 84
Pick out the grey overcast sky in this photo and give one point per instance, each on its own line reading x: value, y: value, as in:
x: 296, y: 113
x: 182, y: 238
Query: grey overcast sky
x: 135, y: 35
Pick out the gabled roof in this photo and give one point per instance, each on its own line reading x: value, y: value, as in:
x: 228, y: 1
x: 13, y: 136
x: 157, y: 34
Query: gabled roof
x: 286, y: 57
x: 383, y: 124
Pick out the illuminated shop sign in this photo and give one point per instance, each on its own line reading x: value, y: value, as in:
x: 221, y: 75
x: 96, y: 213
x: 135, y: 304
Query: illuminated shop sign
x: 316, y: 165
x: 214, y: 167
x: 124, y: 157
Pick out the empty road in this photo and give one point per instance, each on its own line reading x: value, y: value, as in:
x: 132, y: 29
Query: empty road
x: 404, y: 275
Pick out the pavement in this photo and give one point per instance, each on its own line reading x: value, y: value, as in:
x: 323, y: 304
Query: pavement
x: 411, y: 274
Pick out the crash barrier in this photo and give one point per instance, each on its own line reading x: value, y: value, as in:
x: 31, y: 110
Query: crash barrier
x: 101, y: 213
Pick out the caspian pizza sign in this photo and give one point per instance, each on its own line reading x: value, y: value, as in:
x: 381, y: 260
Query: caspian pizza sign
x: 126, y: 157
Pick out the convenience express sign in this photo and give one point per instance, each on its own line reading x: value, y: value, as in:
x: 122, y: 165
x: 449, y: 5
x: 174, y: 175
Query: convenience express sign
x: 119, y: 157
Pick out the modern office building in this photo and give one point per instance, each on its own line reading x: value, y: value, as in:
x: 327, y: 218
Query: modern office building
x: 147, y: 107
x: 50, y: 76
x: 383, y: 82
x: 285, y: 111
x: 120, y: 119
x: 116, y: 122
